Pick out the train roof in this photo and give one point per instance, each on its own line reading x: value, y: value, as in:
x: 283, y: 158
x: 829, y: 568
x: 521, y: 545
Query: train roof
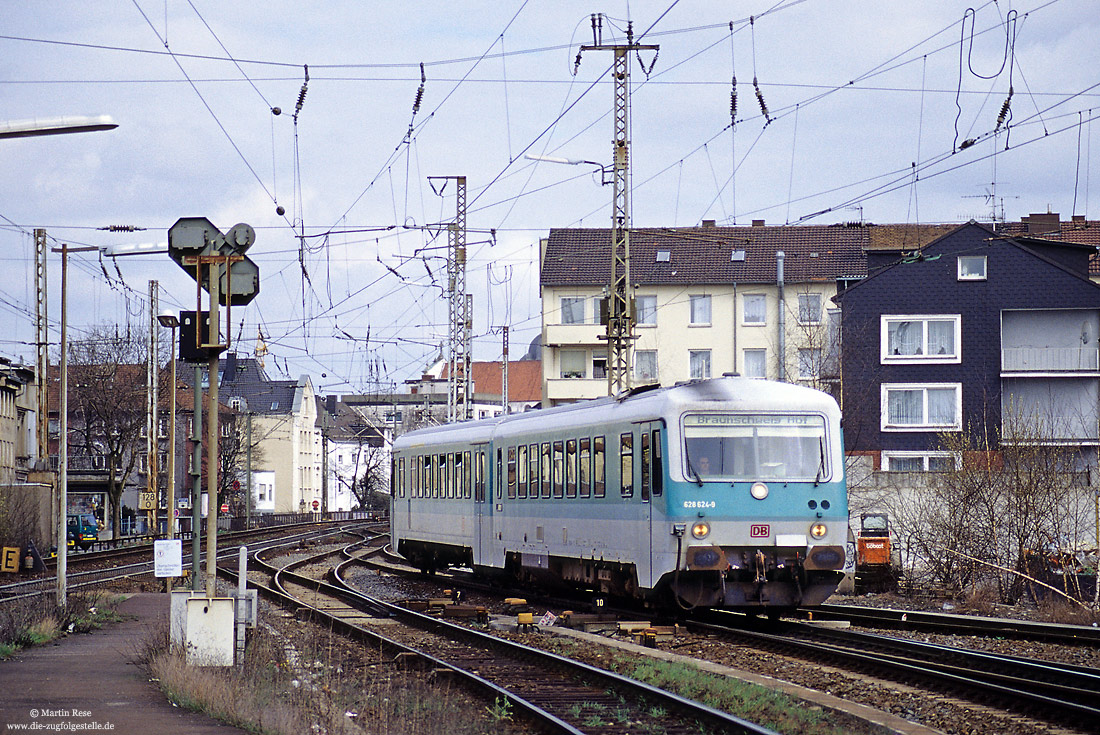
x: 737, y: 393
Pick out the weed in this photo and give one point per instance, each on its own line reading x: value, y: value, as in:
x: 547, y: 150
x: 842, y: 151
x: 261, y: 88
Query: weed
x: 501, y: 710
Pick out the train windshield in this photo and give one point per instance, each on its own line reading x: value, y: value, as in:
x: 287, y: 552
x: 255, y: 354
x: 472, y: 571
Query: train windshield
x: 724, y: 446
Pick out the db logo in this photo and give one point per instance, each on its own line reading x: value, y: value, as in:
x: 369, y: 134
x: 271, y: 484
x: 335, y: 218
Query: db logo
x: 759, y: 530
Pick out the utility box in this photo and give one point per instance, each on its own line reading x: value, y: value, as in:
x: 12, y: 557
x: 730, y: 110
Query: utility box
x: 209, y: 632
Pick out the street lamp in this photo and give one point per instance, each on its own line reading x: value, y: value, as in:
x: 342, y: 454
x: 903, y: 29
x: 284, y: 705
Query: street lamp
x: 170, y: 319
x: 56, y: 126
x: 604, y: 170
x: 24, y: 129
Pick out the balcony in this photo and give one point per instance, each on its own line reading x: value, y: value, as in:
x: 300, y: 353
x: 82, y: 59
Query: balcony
x: 575, y: 389
x: 559, y: 335
x: 1078, y: 359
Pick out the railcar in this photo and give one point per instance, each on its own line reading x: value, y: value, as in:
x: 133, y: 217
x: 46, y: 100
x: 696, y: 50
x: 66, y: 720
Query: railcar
x: 727, y: 492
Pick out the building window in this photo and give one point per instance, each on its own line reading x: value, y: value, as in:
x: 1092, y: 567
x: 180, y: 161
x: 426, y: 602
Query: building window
x: 755, y: 363
x: 646, y: 311
x: 754, y: 309
x: 809, y: 363
x: 699, y: 363
x: 572, y: 310
x: 645, y: 366
x: 809, y: 308
x: 599, y: 367
x: 971, y: 267
x: 700, y: 310
x: 929, y: 339
x: 573, y: 363
x: 920, y: 461
x: 933, y: 407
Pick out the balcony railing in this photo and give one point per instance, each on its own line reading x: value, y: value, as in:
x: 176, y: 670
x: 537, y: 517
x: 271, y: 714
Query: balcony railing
x: 1050, y: 359
x: 574, y: 334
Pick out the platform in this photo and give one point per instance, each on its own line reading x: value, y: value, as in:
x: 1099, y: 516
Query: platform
x: 92, y: 681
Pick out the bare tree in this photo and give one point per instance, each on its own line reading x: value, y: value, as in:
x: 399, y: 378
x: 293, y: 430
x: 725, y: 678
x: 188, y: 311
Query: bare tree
x: 107, y: 398
x: 1014, y: 497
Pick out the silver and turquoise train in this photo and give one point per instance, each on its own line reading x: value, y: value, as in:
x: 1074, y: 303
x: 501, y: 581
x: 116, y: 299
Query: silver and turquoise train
x: 716, y: 493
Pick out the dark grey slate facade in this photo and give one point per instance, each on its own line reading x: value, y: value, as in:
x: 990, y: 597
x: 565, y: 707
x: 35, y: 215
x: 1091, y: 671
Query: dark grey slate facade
x: 1010, y: 330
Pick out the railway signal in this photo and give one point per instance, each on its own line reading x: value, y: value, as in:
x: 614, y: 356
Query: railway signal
x: 219, y: 266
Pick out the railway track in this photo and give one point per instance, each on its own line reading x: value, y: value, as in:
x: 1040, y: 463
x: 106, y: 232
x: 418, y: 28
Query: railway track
x: 1058, y: 693
x: 556, y: 694
x: 1034, y: 690
x: 872, y: 617
x: 113, y: 565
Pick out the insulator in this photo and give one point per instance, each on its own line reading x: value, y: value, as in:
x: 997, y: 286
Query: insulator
x: 1004, y: 110
x: 423, y: 76
x: 419, y: 96
x: 967, y: 143
x: 733, y: 101
x: 760, y: 99
x: 301, y: 100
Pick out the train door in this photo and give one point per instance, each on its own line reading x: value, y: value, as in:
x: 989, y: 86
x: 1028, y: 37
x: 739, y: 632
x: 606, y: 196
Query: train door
x: 651, y: 471
x: 483, y: 506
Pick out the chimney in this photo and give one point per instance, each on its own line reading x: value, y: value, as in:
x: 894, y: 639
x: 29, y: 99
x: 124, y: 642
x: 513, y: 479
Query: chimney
x: 708, y: 223
x: 1040, y: 223
x: 758, y: 223
x: 1078, y: 219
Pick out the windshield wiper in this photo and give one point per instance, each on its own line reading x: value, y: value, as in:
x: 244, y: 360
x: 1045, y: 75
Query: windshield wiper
x: 821, y: 461
x: 691, y: 468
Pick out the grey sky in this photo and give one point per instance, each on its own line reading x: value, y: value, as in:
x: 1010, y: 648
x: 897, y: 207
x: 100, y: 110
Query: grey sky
x: 863, y: 99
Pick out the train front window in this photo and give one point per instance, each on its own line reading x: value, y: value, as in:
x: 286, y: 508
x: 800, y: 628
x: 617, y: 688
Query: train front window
x: 755, y: 446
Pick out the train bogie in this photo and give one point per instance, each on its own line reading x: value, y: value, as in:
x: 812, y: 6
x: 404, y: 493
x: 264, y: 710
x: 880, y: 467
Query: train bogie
x: 725, y: 493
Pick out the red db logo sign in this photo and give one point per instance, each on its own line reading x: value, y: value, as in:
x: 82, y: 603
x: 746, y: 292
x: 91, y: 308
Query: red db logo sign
x: 759, y: 530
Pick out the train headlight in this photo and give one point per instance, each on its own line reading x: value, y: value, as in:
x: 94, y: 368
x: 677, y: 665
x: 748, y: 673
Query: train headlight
x: 818, y: 530
x: 759, y: 490
x: 700, y: 530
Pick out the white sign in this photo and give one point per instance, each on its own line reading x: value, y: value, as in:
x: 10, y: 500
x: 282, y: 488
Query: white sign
x: 168, y: 558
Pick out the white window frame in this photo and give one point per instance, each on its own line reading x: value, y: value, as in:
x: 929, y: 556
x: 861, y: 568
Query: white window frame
x: 805, y: 308
x: 582, y: 363
x: 694, y: 299
x: 574, y: 300
x: 745, y: 361
x: 925, y: 425
x: 745, y: 310
x: 973, y: 275
x: 923, y: 456
x: 637, y: 362
x: 708, y: 365
x: 923, y: 358
x: 810, y: 360
x: 650, y: 298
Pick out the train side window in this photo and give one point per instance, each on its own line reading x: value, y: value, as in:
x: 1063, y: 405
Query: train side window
x: 425, y: 475
x: 478, y: 469
x: 559, y: 451
x: 599, y: 467
x: 433, y: 487
x: 447, y: 467
x: 658, y: 464
x: 546, y: 483
x: 571, y: 468
x: 646, y: 458
x: 393, y: 477
x: 500, y: 474
x: 626, y: 464
x: 466, y: 470
x: 584, y: 471
x: 401, y: 479
x: 533, y: 474
x: 511, y: 473
x: 521, y: 471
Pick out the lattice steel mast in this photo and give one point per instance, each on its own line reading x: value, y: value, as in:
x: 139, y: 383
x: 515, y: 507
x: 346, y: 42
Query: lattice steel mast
x: 620, y: 301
